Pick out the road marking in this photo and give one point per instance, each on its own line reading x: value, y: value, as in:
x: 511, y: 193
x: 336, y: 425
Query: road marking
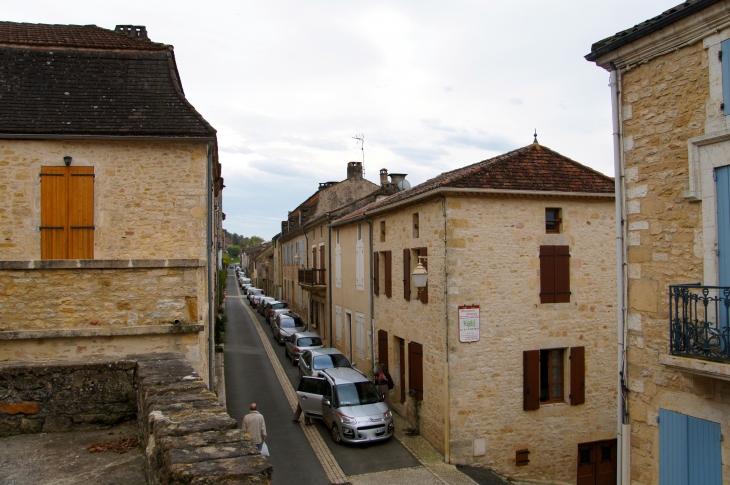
x: 331, y: 468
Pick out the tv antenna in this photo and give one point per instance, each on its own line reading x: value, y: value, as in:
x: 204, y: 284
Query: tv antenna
x: 361, y: 141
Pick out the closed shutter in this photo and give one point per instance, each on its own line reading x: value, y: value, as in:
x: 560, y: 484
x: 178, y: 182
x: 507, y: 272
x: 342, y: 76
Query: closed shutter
x: 388, y: 274
x: 531, y: 379
x: 722, y: 200
x: 407, y: 274
x: 673, y: 466
x: 725, y: 52
x: 314, y: 257
x: 321, y: 258
x: 81, y: 213
x: 562, y: 274
x: 54, y: 213
x: 376, y: 273
x: 415, y: 369
x: 402, y: 370
x: 689, y: 450
x: 383, y: 347
x: 554, y: 274
x: 423, y: 292
x: 577, y: 375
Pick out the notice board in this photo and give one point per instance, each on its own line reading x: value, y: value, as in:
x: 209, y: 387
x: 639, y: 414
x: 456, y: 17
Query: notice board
x: 469, y: 323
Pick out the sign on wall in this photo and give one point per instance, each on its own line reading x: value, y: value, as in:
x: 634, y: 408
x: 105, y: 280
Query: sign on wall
x: 469, y: 323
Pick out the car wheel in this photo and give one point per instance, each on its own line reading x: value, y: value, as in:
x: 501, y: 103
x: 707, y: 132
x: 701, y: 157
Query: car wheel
x: 336, y: 437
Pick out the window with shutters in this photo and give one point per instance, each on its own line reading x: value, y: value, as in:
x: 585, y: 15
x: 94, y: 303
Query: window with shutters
x: 554, y: 274
x: 410, y: 260
x: 67, y: 212
x: 383, y: 273
x: 551, y: 376
x: 544, y: 377
x: 360, y: 266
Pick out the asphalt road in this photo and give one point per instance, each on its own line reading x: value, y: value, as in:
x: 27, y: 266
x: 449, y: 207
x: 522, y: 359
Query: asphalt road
x: 353, y: 459
x: 251, y: 378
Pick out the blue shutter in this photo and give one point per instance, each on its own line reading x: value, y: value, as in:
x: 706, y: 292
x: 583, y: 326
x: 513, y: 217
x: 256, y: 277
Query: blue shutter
x: 725, y: 53
x: 722, y: 192
x: 689, y: 450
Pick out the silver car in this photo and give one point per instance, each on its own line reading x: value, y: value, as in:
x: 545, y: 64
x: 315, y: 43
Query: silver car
x: 255, y: 299
x: 287, y: 324
x: 277, y: 312
x: 348, y: 403
x: 313, y: 361
x: 299, y: 342
x: 262, y: 303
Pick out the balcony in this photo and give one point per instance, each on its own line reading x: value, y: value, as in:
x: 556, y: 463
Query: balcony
x: 699, y: 329
x: 313, y: 281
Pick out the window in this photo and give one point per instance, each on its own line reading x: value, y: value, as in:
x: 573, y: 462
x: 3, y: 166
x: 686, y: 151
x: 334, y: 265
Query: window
x: 415, y: 225
x: 67, y: 213
x: 383, y: 272
x: 544, y: 377
x: 553, y: 221
x: 415, y: 369
x: 382, y: 231
x: 376, y: 273
x: 359, y: 265
x: 554, y: 274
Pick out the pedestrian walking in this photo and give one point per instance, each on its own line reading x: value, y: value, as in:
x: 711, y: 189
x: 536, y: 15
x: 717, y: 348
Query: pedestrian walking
x: 254, y: 425
x: 297, y: 415
x: 384, y: 382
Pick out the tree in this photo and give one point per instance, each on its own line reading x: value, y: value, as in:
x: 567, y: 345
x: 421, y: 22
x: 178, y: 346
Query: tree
x: 234, y: 251
x: 255, y: 240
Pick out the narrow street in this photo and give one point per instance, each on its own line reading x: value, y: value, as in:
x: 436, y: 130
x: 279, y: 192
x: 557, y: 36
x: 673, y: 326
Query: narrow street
x: 250, y: 377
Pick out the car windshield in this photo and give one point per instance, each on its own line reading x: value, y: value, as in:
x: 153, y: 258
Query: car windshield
x: 276, y: 306
x: 329, y: 361
x: 357, y: 394
x: 287, y: 323
x: 309, y: 341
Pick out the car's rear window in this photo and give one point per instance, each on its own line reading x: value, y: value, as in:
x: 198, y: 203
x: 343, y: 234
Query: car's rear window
x: 309, y: 341
x: 257, y: 292
x: 245, y: 281
x: 329, y: 361
x: 276, y: 306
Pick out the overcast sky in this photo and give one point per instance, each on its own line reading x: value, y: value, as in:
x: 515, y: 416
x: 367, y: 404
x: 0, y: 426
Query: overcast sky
x: 433, y: 86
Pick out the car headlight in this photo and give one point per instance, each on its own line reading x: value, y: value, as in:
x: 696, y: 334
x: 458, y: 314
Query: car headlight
x: 347, y: 419
x: 388, y: 414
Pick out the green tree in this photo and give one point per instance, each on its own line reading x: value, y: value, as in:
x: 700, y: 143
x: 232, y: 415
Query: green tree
x: 234, y: 251
x: 255, y: 240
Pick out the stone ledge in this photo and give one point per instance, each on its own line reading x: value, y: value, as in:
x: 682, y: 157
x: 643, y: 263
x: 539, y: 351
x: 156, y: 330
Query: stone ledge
x: 706, y: 368
x: 101, y: 331
x: 100, y: 264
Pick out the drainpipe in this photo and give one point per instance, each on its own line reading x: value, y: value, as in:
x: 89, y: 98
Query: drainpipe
x: 623, y: 428
x: 306, y: 251
x: 211, y: 316
x: 447, y: 396
x: 329, y: 273
x: 372, y: 317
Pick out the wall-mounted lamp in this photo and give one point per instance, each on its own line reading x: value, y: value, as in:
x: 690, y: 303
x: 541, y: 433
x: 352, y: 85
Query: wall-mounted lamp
x: 297, y: 258
x: 420, y: 274
x: 67, y: 160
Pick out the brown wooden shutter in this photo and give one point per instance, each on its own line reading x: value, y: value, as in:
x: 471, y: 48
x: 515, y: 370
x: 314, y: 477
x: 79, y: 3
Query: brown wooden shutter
x: 531, y: 379
x: 81, y: 213
x: 415, y: 368
x: 562, y: 274
x: 376, y: 273
x: 407, y: 274
x: 388, y: 274
x: 314, y: 258
x: 321, y: 258
x: 54, y: 213
x: 577, y: 375
x: 402, y: 374
x: 383, y: 347
x: 547, y: 274
x: 423, y: 292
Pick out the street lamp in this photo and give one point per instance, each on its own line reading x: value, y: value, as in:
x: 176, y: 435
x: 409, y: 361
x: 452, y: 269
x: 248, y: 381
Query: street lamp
x: 420, y: 274
x: 296, y: 259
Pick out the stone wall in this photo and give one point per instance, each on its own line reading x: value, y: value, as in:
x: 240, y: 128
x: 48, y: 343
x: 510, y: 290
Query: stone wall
x: 54, y: 396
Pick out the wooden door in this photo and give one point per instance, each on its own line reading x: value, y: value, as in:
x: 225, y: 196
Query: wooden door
x: 383, y: 348
x: 415, y: 369
x: 402, y: 370
x: 597, y: 463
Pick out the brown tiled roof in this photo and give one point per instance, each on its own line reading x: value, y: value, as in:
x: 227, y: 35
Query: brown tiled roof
x: 89, y: 36
x: 662, y: 20
x: 94, y: 92
x: 534, y: 168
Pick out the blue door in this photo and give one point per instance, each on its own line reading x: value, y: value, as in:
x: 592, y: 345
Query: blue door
x: 689, y: 450
x: 722, y: 192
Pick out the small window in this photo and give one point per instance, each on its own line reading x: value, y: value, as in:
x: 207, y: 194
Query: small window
x: 359, y: 231
x: 382, y: 231
x: 551, y: 376
x: 415, y: 225
x: 553, y: 221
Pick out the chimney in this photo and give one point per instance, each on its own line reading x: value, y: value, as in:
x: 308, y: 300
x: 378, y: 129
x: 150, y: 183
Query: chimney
x: 383, y: 176
x: 133, y: 31
x: 399, y: 179
x: 354, y: 170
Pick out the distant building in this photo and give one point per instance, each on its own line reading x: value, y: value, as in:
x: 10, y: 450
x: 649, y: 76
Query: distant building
x: 110, y: 193
x: 670, y: 94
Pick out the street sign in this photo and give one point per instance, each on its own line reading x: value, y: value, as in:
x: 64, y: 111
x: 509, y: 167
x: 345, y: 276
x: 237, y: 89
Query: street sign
x: 469, y: 323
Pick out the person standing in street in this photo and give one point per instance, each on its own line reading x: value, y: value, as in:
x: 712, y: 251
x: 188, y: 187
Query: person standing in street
x: 384, y: 382
x: 254, y: 425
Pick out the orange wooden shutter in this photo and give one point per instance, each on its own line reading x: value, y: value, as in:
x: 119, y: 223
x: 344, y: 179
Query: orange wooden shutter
x: 407, y: 274
x: 54, y: 212
x: 577, y: 375
x: 531, y: 379
x: 81, y: 213
x: 376, y: 273
x: 423, y: 292
x: 388, y: 274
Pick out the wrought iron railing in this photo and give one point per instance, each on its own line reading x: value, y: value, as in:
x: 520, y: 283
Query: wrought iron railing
x: 313, y: 276
x: 698, y: 321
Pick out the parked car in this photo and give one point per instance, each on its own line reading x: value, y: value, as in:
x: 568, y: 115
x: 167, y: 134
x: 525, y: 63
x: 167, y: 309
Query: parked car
x: 251, y: 292
x: 348, y: 403
x: 274, y: 305
x: 287, y: 324
x: 244, y: 281
x: 272, y: 316
x: 262, y: 303
x: 312, y: 362
x: 244, y: 288
x: 255, y: 299
x: 301, y: 341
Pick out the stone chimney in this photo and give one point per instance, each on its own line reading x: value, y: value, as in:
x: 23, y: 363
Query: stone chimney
x: 133, y: 31
x: 354, y: 170
x: 383, y: 176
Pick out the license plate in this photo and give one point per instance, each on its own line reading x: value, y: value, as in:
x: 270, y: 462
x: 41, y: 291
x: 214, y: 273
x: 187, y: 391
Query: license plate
x: 380, y: 431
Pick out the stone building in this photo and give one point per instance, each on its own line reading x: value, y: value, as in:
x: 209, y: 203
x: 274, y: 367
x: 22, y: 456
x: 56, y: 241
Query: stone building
x: 110, y: 201
x: 509, y: 348
x: 670, y: 80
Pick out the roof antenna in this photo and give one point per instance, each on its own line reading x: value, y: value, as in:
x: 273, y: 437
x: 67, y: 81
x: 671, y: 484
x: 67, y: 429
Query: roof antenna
x: 535, y: 140
x: 361, y: 141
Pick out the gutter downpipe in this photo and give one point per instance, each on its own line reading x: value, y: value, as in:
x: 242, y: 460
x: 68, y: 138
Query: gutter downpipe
x: 447, y: 396
x: 306, y: 250
x: 623, y: 428
x: 329, y: 274
x: 211, y: 317
x: 372, y: 315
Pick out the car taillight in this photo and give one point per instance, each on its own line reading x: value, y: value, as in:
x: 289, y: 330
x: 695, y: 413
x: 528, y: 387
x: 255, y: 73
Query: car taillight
x: 296, y: 349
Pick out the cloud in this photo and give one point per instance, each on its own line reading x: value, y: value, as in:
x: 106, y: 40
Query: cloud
x: 419, y: 153
x: 485, y: 142
x: 321, y: 143
x: 448, y: 89
x: 515, y: 101
x: 436, y: 124
x: 236, y: 149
